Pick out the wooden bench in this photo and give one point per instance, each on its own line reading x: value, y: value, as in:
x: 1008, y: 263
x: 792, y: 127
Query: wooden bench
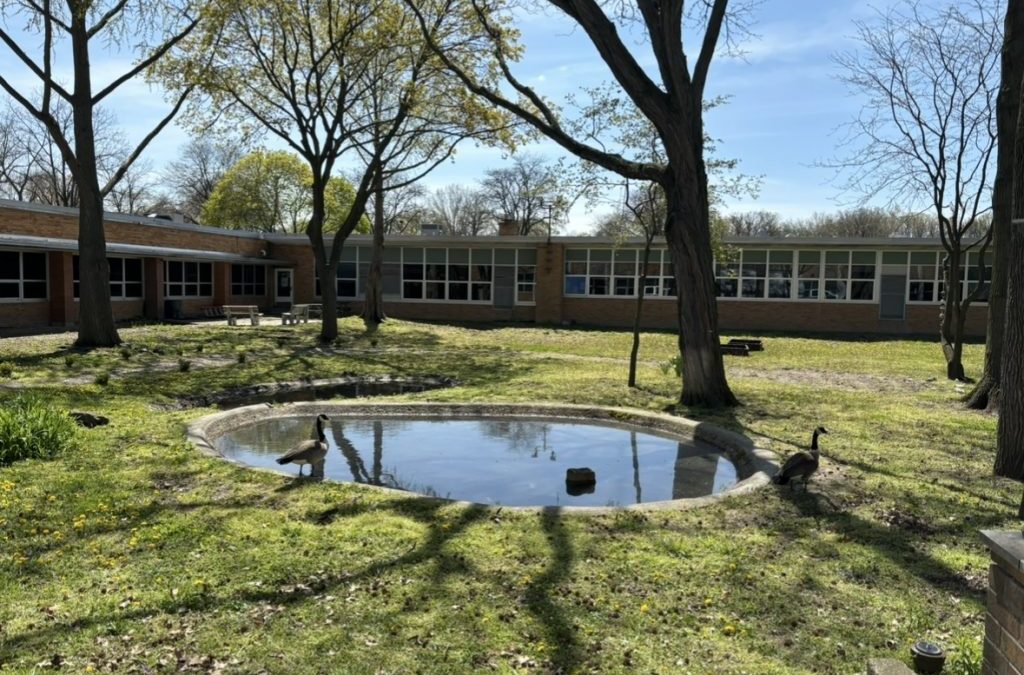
x: 735, y: 350
x: 752, y: 345
x: 297, y: 313
x: 234, y: 312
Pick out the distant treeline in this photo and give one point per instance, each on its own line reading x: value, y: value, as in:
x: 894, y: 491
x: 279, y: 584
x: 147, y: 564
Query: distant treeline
x: 859, y: 222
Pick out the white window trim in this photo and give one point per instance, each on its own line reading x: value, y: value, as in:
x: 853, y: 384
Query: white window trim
x: 21, y: 299
x: 168, y: 282
x: 119, y: 298
x: 658, y: 255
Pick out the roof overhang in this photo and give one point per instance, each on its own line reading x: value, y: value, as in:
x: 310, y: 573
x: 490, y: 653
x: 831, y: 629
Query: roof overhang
x: 22, y: 241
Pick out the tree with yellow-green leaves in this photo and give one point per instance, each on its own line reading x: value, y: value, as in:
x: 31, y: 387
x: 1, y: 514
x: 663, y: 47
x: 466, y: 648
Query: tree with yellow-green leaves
x: 270, y: 191
x: 330, y: 80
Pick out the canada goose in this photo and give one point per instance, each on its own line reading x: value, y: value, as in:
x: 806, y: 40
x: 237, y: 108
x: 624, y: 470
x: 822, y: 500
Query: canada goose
x: 308, y: 452
x: 801, y: 464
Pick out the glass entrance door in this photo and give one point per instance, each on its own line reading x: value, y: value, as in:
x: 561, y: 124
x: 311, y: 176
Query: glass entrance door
x: 283, y: 286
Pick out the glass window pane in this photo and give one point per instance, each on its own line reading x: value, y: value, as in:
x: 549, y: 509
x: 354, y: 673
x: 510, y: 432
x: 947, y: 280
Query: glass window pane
x: 458, y: 272
x: 435, y: 291
x: 412, y: 290
x: 809, y: 257
x: 575, y: 285
x: 894, y: 257
x: 527, y: 256
x: 780, y: 256
x: 458, y: 291
x: 837, y: 257
x: 730, y: 270
x: 922, y: 258
x: 862, y: 272
x: 458, y: 255
x: 481, y: 292
x: 504, y: 256
x: 727, y: 288
x: 752, y: 269
x: 412, y: 271
x: 864, y: 258
x: 780, y: 271
x: 778, y: 288
x: 412, y: 255
x: 481, y: 272
x: 835, y: 290
x: 598, y: 286
x: 603, y: 254
x: 754, y: 256
x: 33, y: 266
x: 436, y: 255
x: 625, y: 285
x: 625, y: 269
x: 8, y: 289
x: 34, y: 290
x: 807, y: 290
x: 600, y: 268
x: 753, y: 288
x: 810, y: 271
x: 576, y: 254
x: 10, y: 267
x: 862, y: 290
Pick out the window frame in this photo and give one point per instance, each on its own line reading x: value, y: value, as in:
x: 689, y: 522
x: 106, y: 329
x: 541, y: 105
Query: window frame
x: 123, y: 283
x: 254, y: 284
x: 21, y: 280
x: 184, y: 283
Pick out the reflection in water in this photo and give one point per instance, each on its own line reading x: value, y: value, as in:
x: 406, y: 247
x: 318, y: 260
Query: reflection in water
x: 512, y: 462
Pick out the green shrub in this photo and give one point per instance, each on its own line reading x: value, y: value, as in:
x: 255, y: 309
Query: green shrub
x: 69, y: 361
x: 200, y: 347
x: 102, y: 379
x: 184, y: 365
x: 126, y: 353
x: 673, y: 364
x: 31, y: 429
x: 6, y: 370
x: 965, y: 657
x: 241, y: 357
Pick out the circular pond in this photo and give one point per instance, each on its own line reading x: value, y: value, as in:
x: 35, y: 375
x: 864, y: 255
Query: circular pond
x: 497, y: 455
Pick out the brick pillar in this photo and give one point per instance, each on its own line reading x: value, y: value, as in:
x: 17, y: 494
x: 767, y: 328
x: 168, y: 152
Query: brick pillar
x: 62, y: 298
x: 221, y: 283
x: 153, y: 288
x: 550, y: 273
x: 1004, y: 620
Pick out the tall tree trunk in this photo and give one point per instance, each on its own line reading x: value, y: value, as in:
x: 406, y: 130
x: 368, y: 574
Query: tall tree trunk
x: 1010, y: 432
x: 95, y: 312
x: 986, y: 394
x: 688, y: 233
x: 951, y: 334
x: 326, y: 264
x: 373, y: 297
x: 634, y: 352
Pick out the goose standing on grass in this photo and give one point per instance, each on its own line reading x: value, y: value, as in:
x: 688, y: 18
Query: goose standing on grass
x: 308, y: 452
x: 802, y: 464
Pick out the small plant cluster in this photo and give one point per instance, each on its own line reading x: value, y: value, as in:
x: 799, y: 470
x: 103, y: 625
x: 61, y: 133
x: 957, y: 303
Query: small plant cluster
x: 31, y: 429
x: 674, y: 364
x: 102, y: 378
x: 6, y: 369
x: 184, y: 365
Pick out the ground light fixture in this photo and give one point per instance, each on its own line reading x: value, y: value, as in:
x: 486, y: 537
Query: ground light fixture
x: 928, y: 657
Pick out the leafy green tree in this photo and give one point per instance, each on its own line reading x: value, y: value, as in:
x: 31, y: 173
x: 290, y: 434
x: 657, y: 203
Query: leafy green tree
x: 270, y: 191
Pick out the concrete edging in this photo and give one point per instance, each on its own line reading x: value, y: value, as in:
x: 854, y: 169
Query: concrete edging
x: 756, y: 465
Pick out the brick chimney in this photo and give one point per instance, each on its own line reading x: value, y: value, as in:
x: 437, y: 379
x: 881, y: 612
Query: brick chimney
x: 508, y: 227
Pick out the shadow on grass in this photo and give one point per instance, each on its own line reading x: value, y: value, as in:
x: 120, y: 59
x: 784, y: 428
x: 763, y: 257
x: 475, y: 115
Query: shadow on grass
x: 286, y: 592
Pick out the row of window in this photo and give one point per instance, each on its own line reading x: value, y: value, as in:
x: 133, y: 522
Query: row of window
x: 770, y: 274
x: 607, y: 272
x: 452, y: 274
x: 125, y: 278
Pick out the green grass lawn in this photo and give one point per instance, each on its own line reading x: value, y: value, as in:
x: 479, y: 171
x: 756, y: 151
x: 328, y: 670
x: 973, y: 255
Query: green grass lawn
x: 136, y: 553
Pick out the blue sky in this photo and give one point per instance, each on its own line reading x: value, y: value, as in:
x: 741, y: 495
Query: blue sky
x: 784, y: 115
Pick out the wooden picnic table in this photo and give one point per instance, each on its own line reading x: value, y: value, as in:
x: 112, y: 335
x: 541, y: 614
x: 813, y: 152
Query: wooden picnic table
x: 301, y: 312
x: 233, y: 312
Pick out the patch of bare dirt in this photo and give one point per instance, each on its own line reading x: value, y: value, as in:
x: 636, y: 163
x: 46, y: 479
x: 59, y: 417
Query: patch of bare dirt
x: 843, y: 381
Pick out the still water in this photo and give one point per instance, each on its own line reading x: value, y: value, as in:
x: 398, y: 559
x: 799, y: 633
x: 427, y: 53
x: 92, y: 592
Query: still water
x: 496, y: 461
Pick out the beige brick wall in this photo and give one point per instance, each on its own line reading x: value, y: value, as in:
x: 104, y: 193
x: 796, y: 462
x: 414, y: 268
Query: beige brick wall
x: 1004, y: 619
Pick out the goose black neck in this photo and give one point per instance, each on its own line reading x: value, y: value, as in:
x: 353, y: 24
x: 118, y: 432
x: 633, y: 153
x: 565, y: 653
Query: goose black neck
x: 320, y: 430
x: 814, y: 441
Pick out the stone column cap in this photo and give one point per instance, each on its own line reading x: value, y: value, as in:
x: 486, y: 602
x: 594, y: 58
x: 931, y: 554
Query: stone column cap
x: 1007, y: 546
